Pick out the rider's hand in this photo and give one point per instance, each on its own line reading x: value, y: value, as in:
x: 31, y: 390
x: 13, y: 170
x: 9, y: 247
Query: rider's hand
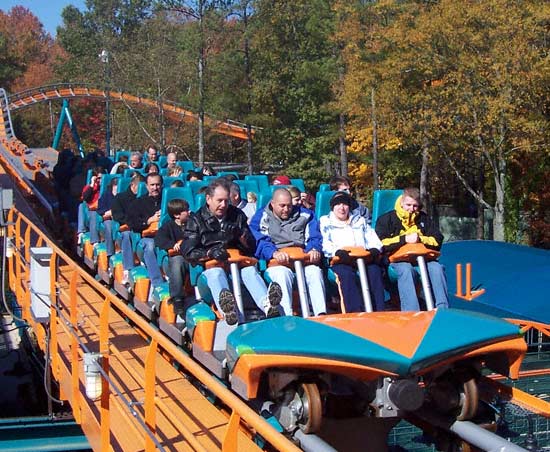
x: 411, y: 238
x: 374, y: 252
x: 344, y: 257
x: 314, y: 256
x: 218, y: 252
x: 281, y: 257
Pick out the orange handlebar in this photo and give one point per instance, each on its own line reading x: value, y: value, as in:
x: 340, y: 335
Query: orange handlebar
x: 356, y: 252
x: 235, y: 257
x: 150, y: 230
x: 410, y: 251
x: 295, y: 253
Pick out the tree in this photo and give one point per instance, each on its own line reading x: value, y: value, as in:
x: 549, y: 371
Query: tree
x: 294, y: 70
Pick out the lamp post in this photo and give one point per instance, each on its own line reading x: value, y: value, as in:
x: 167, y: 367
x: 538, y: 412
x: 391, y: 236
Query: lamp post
x: 104, y: 57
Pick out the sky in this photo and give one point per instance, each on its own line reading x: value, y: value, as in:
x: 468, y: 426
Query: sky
x: 47, y: 11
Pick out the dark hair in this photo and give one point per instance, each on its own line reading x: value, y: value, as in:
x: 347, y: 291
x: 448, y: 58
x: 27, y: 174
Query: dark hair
x: 219, y: 182
x: 154, y: 175
x: 136, y: 179
x: 207, y: 169
x: 335, y: 181
x: 151, y: 165
x: 176, y: 206
x: 113, y: 182
x: 192, y: 173
x: 177, y: 183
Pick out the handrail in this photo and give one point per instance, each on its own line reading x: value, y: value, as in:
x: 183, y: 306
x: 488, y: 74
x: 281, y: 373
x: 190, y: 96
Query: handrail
x: 22, y: 230
x: 29, y: 97
x: 22, y: 180
x: 5, y: 105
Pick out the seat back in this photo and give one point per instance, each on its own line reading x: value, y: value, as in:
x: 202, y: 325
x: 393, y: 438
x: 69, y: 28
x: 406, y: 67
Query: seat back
x: 227, y: 173
x: 299, y: 184
x: 105, y: 181
x: 196, y: 185
x: 324, y: 187
x: 383, y: 201
x: 169, y: 193
x: 247, y: 186
x: 322, y: 202
x: 122, y: 153
x: 261, y: 180
x: 128, y: 172
x: 186, y: 165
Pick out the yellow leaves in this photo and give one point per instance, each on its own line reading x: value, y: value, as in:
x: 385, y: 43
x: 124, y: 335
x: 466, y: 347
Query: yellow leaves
x: 360, y: 141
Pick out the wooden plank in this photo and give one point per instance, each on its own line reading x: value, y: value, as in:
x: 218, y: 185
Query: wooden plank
x: 183, y: 403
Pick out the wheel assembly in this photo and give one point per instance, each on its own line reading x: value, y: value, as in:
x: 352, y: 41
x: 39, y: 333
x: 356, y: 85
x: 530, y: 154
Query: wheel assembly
x: 312, y: 408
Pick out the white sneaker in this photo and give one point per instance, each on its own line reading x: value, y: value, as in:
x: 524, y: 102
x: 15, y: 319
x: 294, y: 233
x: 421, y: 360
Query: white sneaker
x: 125, y: 276
x: 79, y: 238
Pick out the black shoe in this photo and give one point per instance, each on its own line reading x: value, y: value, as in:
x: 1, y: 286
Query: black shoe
x: 228, y: 305
x: 274, y: 297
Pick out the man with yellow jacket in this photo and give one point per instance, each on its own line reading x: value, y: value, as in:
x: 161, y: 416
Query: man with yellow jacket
x: 408, y: 224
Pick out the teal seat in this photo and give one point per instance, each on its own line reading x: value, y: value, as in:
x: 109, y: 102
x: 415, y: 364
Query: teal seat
x: 130, y: 171
x: 142, y: 189
x: 200, y: 200
x: 105, y: 181
x: 265, y: 195
x: 383, y: 201
x: 227, y: 173
x: 261, y: 180
x: 186, y: 165
x: 161, y: 161
x: 299, y: 184
x: 324, y: 187
x: 122, y: 153
x: 247, y: 186
x: 199, y: 312
x: 196, y: 185
x: 169, y: 193
x: 322, y: 202
x: 168, y: 180
x: 209, y: 179
x: 123, y: 184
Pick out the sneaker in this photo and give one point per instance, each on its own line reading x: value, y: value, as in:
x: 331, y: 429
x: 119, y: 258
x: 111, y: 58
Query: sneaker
x: 274, y: 296
x: 125, y: 275
x: 79, y: 238
x: 228, y: 305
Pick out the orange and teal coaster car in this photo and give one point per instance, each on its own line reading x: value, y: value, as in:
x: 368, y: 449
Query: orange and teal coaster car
x: 398, y: 362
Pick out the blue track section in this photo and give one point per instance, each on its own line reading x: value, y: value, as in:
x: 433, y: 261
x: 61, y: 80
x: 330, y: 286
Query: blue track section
x: 516, y: 278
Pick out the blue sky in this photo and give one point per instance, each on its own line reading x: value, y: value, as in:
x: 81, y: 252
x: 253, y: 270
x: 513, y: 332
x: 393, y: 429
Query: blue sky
x: 47, y: 11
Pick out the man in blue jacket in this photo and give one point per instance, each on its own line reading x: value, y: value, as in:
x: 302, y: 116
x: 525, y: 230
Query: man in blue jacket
x: 280, y: 225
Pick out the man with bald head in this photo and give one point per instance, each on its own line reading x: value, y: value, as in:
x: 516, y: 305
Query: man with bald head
x: 171, y: 160
x: 279, y: 225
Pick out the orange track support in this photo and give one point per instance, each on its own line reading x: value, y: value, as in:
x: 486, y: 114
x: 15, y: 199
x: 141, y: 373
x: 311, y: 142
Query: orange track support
x: 43, y: 94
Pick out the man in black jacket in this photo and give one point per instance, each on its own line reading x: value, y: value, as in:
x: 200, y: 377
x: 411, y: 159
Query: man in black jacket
x: 208, y: 234
x: 408, y: 224
x: 144, y: 215
x: 120, y: 210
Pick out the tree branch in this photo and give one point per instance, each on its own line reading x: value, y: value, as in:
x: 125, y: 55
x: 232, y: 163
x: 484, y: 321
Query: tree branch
x: 463, y: 180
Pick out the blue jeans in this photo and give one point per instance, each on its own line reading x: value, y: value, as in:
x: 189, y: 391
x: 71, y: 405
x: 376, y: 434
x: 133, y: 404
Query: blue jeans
x: 216, y: 279
x: 177, y: 269
x: 150, y: 259
x: 92, y: 222
x: 315, y: 285
x: 351, y: 292
x: 108, y: 232
x: 127, y: 250
x: 406, y: 284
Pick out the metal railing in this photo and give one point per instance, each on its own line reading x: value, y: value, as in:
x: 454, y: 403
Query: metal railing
x: 73, y: 318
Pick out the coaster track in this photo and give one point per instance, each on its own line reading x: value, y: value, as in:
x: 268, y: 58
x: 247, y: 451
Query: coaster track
x: 28, y: 98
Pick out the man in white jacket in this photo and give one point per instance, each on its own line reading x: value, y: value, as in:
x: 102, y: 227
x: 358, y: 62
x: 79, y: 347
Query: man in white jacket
x: 341, y: 229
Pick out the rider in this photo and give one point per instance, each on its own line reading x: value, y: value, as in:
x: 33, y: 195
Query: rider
x: 280, y: 225
x: 208, y: 234
x: 408, y: 224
